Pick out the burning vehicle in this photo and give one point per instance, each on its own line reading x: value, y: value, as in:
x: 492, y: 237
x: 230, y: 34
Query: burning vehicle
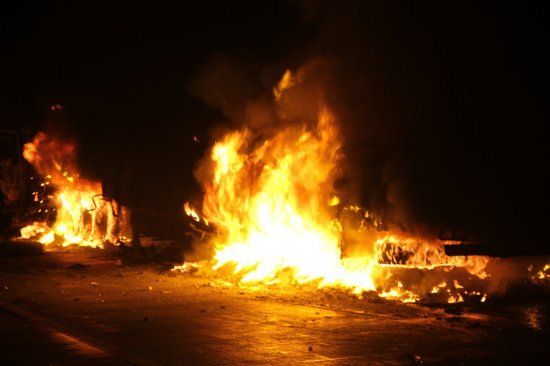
x: 246, y: 183
x: 272, y: 213
x: 277, y: 218
x: 50, y: 203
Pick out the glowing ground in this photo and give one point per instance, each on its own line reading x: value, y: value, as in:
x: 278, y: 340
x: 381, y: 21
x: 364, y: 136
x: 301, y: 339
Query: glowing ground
x: 86, y: 307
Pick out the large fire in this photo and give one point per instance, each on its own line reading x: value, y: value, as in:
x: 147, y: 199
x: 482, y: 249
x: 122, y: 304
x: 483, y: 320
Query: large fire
x: 270, y: 201
x: 279, y: 220
x: 81, y: 215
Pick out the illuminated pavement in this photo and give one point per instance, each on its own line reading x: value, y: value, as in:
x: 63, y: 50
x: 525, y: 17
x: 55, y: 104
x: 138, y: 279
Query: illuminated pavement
x: 102, y: 312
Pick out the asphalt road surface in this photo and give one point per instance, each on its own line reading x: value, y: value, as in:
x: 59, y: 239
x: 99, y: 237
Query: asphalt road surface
x: 85, y: 307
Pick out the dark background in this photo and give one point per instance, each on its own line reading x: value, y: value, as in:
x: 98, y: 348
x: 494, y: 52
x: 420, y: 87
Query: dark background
x: 443, y: 106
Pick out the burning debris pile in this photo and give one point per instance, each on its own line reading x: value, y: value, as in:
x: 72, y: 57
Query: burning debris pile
x: 277, y: 218
x: 72, y: 209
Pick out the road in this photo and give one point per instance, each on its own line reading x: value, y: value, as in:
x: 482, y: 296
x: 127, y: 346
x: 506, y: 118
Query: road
x: 85, y: 307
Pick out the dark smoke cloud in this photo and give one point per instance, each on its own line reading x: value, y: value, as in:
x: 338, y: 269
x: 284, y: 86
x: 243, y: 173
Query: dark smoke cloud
x: 425, y: 94
x: 443, y: 106
x: 245, y: 96
x: 226, y: 83
x: 437, y: 125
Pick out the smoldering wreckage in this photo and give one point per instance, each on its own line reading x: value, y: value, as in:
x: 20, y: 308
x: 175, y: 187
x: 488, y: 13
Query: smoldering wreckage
x: 272, y: 226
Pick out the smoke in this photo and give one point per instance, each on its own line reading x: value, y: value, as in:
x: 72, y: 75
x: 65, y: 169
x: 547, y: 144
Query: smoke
x: 416, y: 113
x: 423, y: 103
x: 332, y: 68
x: 247, y: 99
x: 225, y: 83
x: 418, y: 99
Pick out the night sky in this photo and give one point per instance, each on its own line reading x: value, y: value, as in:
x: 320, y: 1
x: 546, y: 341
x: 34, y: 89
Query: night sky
x: 443, y: 106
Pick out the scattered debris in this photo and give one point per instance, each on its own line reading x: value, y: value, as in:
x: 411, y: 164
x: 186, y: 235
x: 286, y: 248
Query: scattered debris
x: 187, y: 267
x: 414, y: 359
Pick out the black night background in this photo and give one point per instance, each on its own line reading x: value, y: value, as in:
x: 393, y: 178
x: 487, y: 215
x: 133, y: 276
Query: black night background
x: 445, y: 101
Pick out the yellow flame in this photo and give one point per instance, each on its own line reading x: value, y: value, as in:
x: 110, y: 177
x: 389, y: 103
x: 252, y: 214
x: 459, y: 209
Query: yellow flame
x: 190, y: 211
x: 287, y: 81
x: 269, y: 205
x: 267, y: 198
x: 421, y: 253
x: 334, y: 201
x: 455, y: 299
x: 82, y: 217
x: 544, y: 272
x: 397, y: 293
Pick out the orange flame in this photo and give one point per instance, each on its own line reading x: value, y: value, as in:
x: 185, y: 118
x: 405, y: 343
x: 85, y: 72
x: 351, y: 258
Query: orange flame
x: 83, y: 217
x: 544, y: 273
x: 190, y: 211
x: 421, y: 253
x: 274, y: 207
x: 269, y: 204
